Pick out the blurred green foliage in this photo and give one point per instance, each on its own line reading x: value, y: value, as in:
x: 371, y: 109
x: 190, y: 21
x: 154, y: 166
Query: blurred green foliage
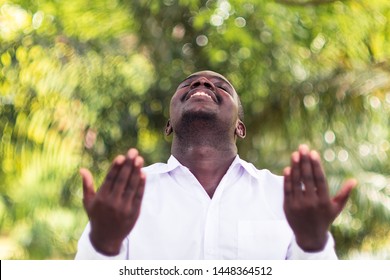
x: 82, y: 81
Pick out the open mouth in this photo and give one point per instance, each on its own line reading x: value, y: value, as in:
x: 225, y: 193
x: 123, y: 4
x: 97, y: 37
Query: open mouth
x: 202, y: 93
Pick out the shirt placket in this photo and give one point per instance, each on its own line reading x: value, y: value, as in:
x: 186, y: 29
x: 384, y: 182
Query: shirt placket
x: 211, y: 249
x: 211, y: 207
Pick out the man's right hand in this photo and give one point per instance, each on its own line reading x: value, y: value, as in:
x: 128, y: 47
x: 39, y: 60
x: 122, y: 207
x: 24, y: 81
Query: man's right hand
x: 115, y: 207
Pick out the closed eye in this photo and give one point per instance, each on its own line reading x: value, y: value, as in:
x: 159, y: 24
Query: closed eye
x: 223, y: 88
x: 185, y: 85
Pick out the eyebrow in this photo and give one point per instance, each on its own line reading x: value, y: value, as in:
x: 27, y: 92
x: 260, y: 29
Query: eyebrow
x: 217, y: 77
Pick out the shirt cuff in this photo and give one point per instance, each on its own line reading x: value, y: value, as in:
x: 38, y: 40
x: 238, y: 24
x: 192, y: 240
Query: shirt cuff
x: 328, y: 253
x: 86, y: 251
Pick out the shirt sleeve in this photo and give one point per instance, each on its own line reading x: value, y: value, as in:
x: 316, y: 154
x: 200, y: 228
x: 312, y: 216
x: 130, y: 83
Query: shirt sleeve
x: 86, y: 251
x: 328, y: 253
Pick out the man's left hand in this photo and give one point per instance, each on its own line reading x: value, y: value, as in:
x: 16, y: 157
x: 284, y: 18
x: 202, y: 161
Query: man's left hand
x: 307, y: 204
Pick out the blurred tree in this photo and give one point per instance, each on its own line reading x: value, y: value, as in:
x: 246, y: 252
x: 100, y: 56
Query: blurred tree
x: 82, y: 82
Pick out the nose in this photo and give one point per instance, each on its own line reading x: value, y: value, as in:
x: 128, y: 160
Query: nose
x: 202, y: 81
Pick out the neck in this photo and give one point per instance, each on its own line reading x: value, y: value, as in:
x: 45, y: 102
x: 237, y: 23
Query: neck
x: 206, y: 156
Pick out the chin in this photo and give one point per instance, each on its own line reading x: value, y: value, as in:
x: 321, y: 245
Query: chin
x: 199, y: 115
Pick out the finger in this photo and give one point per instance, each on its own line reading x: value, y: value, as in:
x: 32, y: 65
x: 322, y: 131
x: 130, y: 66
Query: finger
x: 342, y: 196
x: 287, y: 184
x: 88, y: 186
x: 306, y: 170
x: 124, y: 174
x: 132, y: 183
x: 319, y: 176
x: 136, y: 204
x: 108, y: 183
x: 296, y: 176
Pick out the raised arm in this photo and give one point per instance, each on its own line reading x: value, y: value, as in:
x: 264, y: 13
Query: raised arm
x: 307, y: 204
x: 114, y: 208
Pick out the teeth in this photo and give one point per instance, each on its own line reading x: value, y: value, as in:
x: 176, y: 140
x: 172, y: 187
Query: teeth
x: 201, y: 93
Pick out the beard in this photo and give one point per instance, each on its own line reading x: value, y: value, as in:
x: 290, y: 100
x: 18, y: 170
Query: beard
x: 202, y: 128
x: 192, y: 122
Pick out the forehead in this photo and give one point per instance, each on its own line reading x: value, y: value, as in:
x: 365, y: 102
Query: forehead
x: 209, y: 74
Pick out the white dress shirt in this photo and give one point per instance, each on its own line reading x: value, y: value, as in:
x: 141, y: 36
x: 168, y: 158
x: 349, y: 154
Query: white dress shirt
x: 243, y: 220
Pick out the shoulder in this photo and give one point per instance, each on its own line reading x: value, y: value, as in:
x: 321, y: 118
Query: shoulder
x: 264, y: 175
x: 271, y: 186
x: 157, y: 173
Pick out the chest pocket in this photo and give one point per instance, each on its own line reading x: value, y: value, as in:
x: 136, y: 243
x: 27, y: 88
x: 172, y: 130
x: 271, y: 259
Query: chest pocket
x: 263, y: 240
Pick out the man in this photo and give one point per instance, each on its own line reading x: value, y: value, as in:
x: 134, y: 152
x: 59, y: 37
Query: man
x: 207, y: 203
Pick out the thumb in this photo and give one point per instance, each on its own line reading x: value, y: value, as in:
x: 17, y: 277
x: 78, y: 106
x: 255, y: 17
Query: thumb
x: 88, y: 187
x: 342, y: 197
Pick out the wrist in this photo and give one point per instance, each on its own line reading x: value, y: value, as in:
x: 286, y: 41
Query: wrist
x: 105, y: 247
x: 312, y: 245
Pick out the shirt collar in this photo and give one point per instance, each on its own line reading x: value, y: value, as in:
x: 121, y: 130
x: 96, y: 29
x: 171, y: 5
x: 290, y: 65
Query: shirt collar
x: 173, y: 163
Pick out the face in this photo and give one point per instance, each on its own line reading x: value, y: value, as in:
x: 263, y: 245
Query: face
x: 206, y: 94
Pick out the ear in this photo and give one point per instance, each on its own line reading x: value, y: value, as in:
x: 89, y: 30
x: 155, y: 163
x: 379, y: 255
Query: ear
x: 240, y: 129
x: 168, y: 128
